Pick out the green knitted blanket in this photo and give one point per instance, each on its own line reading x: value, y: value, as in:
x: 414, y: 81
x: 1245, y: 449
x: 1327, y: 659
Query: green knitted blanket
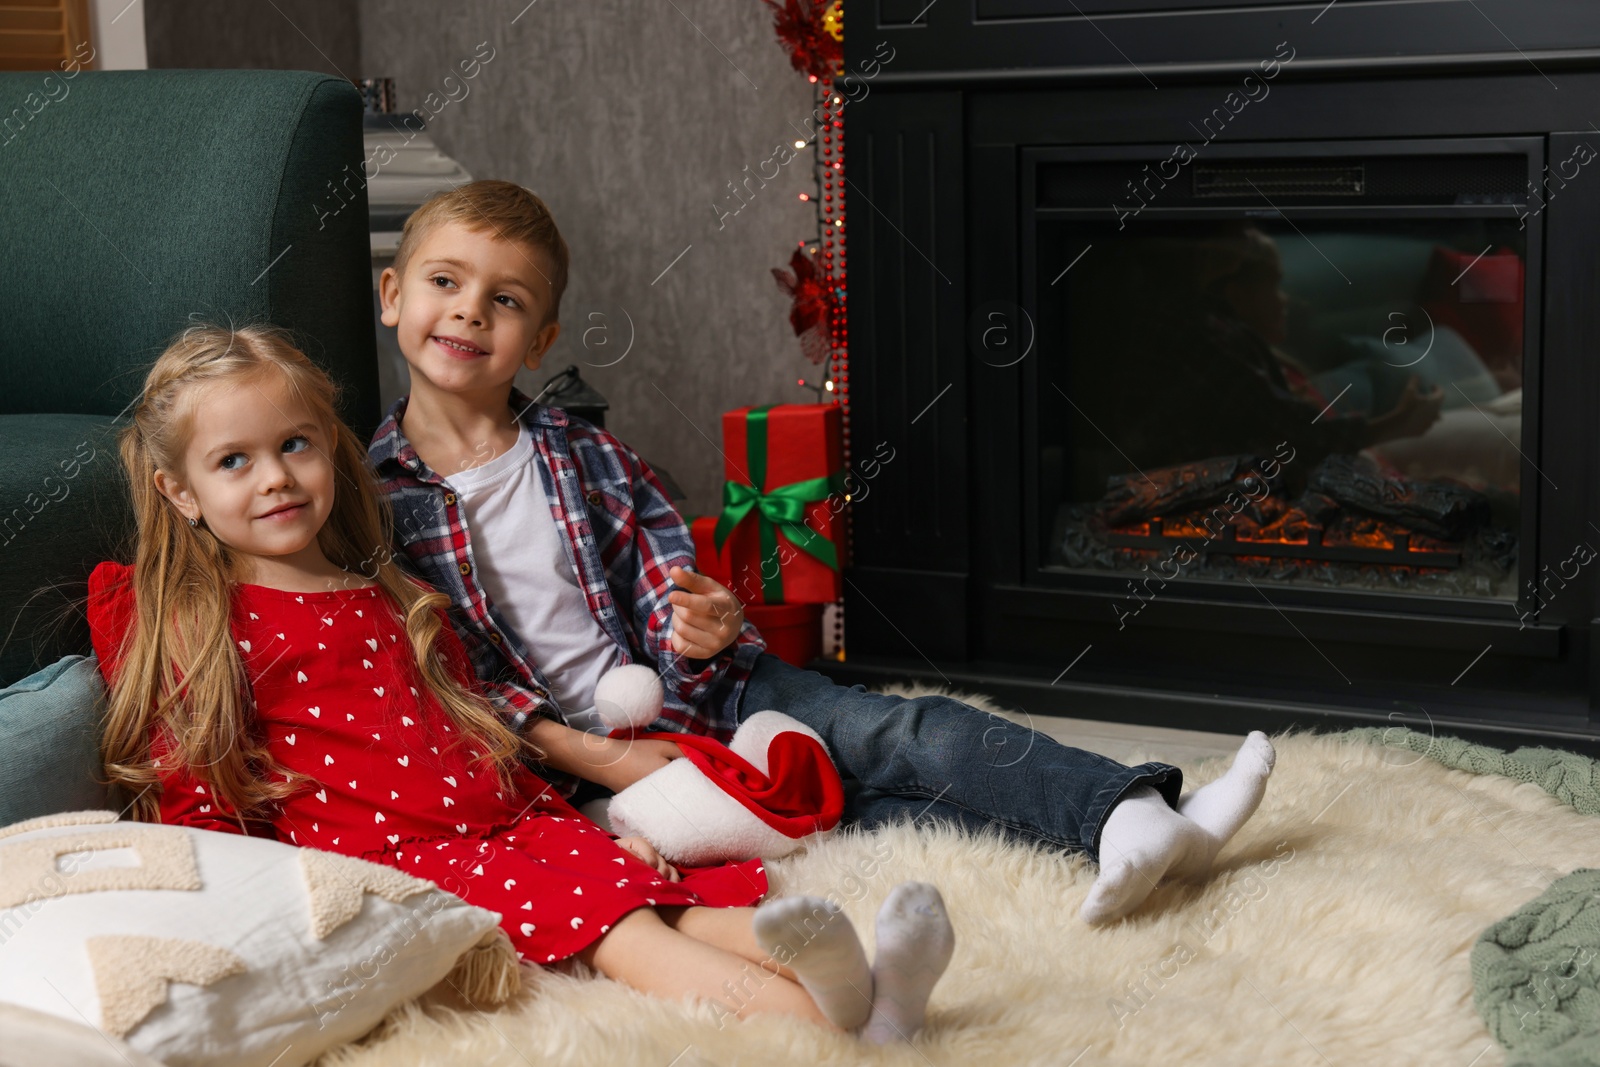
x: 1535, y: 973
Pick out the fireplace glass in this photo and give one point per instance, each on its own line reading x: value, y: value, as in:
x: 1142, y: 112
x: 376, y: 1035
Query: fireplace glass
x: 1332, y: 402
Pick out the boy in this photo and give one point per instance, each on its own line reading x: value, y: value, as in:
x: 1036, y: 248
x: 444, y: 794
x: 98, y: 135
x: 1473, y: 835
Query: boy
x: 564, y: 558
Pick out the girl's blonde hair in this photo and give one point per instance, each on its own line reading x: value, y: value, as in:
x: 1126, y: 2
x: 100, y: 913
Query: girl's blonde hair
x: 179, y: 665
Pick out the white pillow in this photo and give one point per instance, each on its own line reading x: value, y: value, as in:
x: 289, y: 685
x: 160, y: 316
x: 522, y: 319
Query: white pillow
x: 198, y: 947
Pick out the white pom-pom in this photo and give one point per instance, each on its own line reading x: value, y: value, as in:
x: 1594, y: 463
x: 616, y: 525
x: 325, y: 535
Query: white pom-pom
x: 629, y: 695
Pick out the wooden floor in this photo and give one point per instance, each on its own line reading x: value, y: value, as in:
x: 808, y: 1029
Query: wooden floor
x: 1133, y: 744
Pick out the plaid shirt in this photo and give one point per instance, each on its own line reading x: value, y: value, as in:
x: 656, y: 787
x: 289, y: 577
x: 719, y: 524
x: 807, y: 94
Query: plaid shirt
x: 623, y: 536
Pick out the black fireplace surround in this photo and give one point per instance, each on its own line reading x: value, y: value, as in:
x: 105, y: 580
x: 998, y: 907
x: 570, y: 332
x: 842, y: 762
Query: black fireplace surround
x: 1028, y: 182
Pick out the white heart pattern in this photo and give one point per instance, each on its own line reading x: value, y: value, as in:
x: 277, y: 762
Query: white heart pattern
x: 378, y: 689
x: 245, y: 645
x: 372, y: 643
x: 528, y: 906
x: 316, y: 713
x: 405, y: 761
x: 448, y: 802
x: 577, y: 890
x: 375, y: 737
x: 327, y: 621
x: 394, y: 839
x: 322, y: 795
x: 478, y: 869
x: 288, y: 738
x: 253, y: 615
x: 301, y: 676
x: 407, y: 720
x: 377, y: 816
x: 393, y: 795
x: 358, y: 613
x: 352, y: 783
x: 461, y: 827
x: 326, y: 760
x: 576, y: 922
x: 619, y: 859
x: 321, y: 646
x: 367, y: 663
x: 528, y: 929
x: 510, y: 882
x: 450, y: 778
x: 280, y: 637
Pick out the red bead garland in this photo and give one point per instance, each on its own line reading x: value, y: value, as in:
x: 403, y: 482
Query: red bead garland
x: 831, y: 231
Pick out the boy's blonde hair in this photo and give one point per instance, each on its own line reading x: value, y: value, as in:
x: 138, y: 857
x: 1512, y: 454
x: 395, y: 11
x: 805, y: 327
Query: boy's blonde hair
x: 507, y: 210
x: 179, y: 665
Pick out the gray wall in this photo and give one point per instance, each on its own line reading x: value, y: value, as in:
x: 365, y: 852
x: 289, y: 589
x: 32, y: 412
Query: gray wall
x: 625, y: 118
x: 320, y: 35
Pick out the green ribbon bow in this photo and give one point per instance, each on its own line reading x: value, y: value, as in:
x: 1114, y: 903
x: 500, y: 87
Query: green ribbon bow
x: 782, y: 509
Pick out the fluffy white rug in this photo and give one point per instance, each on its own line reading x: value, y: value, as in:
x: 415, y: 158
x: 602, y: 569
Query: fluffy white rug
x: 1335, y: 929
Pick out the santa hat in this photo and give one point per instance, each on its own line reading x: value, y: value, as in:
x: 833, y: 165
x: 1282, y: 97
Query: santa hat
x: 770, y: 791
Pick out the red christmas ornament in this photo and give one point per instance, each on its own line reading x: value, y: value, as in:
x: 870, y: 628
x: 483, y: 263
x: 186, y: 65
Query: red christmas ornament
x: 811, y: 310
x: 799, y: 25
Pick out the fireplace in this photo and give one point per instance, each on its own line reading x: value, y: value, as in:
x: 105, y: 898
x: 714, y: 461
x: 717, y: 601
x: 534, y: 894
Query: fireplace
x: 1218, y: 399
x: 1244, y: 377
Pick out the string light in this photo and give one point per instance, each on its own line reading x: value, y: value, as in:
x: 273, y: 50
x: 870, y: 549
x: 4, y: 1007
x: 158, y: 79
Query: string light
x: 827, y: 247
x: 828, y: 171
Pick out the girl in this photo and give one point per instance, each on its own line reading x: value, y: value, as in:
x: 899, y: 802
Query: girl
x: 273, y: 671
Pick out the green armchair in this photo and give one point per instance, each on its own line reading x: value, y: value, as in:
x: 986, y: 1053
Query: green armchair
x: 137, y: 202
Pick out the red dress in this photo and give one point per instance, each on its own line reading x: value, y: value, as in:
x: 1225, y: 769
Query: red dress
x: 336, y: 698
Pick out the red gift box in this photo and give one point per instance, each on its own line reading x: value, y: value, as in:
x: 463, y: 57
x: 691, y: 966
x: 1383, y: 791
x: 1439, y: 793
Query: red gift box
x: 782, y: 540
x: 707, y: 560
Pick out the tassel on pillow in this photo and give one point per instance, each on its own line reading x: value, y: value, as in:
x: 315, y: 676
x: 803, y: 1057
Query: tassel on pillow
x: 489, y: 973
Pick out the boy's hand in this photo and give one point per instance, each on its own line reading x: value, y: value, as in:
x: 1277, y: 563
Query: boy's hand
x: 706, y: 616
x: 646, y: 854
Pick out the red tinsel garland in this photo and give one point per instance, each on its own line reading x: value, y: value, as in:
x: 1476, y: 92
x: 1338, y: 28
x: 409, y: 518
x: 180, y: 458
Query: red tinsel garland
x: 799, y: 26
x: 811, y: 313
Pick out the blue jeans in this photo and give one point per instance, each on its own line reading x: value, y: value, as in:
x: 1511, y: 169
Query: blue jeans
x: 935, y: 756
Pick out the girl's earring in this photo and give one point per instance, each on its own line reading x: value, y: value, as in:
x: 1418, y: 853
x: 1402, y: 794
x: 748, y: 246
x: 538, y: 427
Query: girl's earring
x: 194, y: 522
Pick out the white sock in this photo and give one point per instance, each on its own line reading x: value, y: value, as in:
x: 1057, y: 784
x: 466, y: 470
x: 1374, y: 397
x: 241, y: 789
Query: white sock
x: 1144, y: 840
x: 1223, y: 806
x: 813, y: 938
x: 915, y: 942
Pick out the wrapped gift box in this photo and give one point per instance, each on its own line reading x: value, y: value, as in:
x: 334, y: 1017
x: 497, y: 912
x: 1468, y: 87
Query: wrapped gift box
x: 707, y: 560
x: 781, y: 530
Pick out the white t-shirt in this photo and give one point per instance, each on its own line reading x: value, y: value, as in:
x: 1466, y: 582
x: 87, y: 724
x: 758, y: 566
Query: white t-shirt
x: 523, y: 566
